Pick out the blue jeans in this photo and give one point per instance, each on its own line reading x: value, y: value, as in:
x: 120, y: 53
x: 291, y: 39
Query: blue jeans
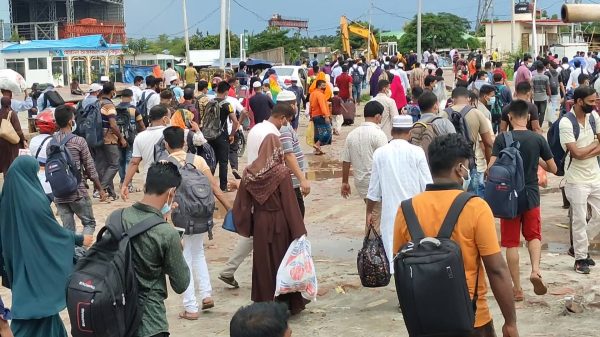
x: 356, y: 92
x: 477, y: 185
x: 124, y: 161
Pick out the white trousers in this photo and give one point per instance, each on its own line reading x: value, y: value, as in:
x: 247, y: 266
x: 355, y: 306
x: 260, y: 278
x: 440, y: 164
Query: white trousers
x: 579, y: 196
x: 336, y: 122
x: 193, y: 253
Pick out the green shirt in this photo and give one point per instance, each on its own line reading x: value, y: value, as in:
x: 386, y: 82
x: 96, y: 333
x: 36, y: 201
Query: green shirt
x: 156, y: 253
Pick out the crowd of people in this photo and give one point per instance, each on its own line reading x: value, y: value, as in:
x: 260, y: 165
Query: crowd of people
x: 415, y: 143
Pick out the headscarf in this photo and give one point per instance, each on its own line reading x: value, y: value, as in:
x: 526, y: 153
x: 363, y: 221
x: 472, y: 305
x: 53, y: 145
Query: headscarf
x: 398, y: 94
x: 265, y: 173
x: 313, y: 86
x: 182, y: 118
x: 36, y: 251
x: 373, y: 83
x: 268, y: 74
x: 275, y: 88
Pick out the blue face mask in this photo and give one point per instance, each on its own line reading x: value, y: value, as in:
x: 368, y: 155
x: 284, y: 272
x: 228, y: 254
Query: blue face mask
x: 166, y: 207
x: 492, y: 101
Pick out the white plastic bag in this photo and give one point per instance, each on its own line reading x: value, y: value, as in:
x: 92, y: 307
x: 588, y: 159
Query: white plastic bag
x: 297, y: 271
x: 12, y: 80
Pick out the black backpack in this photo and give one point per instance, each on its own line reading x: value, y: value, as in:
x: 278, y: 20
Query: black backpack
x: 430, y: 278
x: 89, y: 124
x: 461, y: 126
x: 61, y: 172
x: 53, y: 99
x: 565, y: 74
x: 126, y: 124
x: 102, y: 292
x: 553, y: 137
x: 142, y: 107
x: 356, y: 77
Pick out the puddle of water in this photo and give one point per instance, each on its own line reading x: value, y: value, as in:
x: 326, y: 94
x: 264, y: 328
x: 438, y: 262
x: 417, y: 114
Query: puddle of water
x: 324, y: 170
x: 562, y: 248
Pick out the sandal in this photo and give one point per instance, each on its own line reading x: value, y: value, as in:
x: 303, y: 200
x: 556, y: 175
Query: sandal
x: 229, y: 281
x: 518, y: 295
x: 208, y: 303
x: 539, y: 288
x: 189, y: 316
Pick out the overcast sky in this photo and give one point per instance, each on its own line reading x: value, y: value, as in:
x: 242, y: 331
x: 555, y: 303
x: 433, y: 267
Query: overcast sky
x: 323, y: 15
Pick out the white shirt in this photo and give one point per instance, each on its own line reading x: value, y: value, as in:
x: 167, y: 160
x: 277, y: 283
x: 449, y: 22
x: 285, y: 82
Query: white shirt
x: 137, y: 94
x: 335, y: 72
x: 574, y: 78
x: 360, y: 145
x: 237, y: 107
x: 591, y: 64
x: 35, y: 143
x: 399, y: 172
x: 153, y: 101
x: 390, y: 110
x: 256, y: 136
x: 143, y: 146
x: 360, y: 69
x: 580, y: 171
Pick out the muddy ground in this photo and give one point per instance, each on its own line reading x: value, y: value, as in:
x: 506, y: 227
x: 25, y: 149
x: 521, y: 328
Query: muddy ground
x: 344, y: 308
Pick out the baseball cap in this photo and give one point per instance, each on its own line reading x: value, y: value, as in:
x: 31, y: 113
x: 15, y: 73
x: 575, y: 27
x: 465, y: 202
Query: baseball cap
x: 95, y: 87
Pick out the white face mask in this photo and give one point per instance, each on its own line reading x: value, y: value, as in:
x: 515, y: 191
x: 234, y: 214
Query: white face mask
x: 467, y: 180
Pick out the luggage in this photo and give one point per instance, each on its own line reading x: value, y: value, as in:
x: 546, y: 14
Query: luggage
x: 297, y: 271
x: 53, y: 99
x: 61, y: 171
x: 372, y: 262
x: 348, y: 112
x: 422, y: 134
x: 89, y: 124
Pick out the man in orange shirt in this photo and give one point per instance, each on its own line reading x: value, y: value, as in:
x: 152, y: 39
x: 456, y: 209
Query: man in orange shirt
x: 321, y: 117
x: 475, y: 231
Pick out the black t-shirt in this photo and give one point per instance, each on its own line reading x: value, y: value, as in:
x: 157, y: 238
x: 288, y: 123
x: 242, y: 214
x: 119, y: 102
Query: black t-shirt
x: 533, y: 147
x: 226, y: 109
x: 533, y: 115
x: 261, y: 106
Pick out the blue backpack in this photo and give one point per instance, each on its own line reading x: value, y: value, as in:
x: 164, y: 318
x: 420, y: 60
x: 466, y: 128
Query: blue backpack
x: 61, y: 171
x: 554, y: 140
x: 506, y: 180
x: 89, y: 124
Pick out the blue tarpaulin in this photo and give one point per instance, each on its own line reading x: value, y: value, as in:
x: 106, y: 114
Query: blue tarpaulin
x: 131, y: 71
x: 90, y: 42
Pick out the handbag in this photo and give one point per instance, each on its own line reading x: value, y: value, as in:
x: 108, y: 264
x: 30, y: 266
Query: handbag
x: 310, y: 134
x: 7, y: 130
x: 372, y: 262
x: 228, y: 224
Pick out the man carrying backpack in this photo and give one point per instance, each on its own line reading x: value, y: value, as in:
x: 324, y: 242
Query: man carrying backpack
x: 78, y: 202
x: 429, y: 106
x: 582, y: 171
x: 472, y: 234
x: 358, y: 74
x: 555, y: 90
x: 477, y: 129
x: 523, y: 92
x: 533, y: 147
x: 130, y: 122
x: 149, y: 98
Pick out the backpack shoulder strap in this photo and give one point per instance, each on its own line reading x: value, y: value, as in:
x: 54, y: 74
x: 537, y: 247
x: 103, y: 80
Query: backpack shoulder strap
x: 412, y: 222
x: 67, y: 139
x: 174, y: 161
x: 508, y: 138
x: 37, y: 153
x: 453, y: 214
x: 190, y: 158
x: 466, y: 110
x: 144, y: 226
x: 593, y: 123
x: 575, y: 123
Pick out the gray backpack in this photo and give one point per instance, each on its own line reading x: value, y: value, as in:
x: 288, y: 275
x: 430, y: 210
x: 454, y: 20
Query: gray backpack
x: 195, y: 199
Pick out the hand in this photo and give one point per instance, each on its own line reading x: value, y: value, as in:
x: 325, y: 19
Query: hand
x: 103, y: 196
x: 369, y: 219
x: 510, y: 330
x: 346, y: 190
x: 122, y: 142
x: 328, y: 121
x: 231, y: 139
x: 195, y: 126
x: 305, y: 187
x: 25, y: 144
x: 88, y: 240
x: 233, y: 185
x: 125, y: 192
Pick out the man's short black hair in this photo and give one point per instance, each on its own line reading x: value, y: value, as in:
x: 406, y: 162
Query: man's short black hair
x: 486, y: 89
x: 523, y: 88
x: 223, y: 87
x: 527, y: 57
x: 150, y: 81
x: 577, y: 64
x: 283, y: 109
x: 158, y: 112
x: 429, y: 79
x: 232, y: 81
x: 539, y: 66
x: 169, y: 64
x: 344, y: 68
x: 518, y: 108
x: 319, y: 82
x: 487, y: 65
x: 107, y: 88
x: 202, y: 85
x: 427, y: 101
x: 382, y: 84
x: 460, y: 92
x: 188, y: 94
x: 162, y: 176
x: 127, y: 93
x: 166, y: 94
x: 416, y: 92
x: 481, y: 74
x: 263, y: 319
x: 580, y: 93
x: 373, y: 108
x: 498, y: 64
x: 445, y: 151
x: 138, y: 79
x: 497, y: 77
x: 582, y: 78
x: 63, y: 114
x: 174, y: 136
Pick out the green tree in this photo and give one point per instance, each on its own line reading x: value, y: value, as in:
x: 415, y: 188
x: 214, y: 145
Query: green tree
x: 441, y: 30
x: 136, y: 47
x: 273, y: 38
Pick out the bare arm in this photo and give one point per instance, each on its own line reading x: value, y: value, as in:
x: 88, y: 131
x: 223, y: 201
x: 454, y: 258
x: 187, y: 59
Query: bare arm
x: 140, y: 126
x: 548, y: 166
x: 214, y: 183
x: 535, y: 125
x: 236, y: 124
x: 346, y: 189
x: 292, y: 163
x: 501, y: 285
x: 583, y: 152
x: 134, y: 164
x: 488, y: 143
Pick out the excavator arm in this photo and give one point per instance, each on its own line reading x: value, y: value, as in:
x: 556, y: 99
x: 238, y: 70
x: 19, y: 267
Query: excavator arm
x: 358, y: 30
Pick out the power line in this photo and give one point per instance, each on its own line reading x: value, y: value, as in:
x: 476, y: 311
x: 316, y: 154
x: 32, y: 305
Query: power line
x: 206, y: 17
x: 249, y: 11
x: 161, y: 12
x: 390, y: 13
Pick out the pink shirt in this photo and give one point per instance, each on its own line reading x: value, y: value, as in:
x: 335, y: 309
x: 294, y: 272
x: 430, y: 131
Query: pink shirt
x: 523, y: 75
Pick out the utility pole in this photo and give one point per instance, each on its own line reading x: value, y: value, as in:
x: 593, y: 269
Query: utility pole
x: 512, y: 26
x: 228, y: 27
x: 534, y: 30
x: 222, y: 37
x: 369, y: 39
x: 492, y: 27
x: 419, y: 51
x: 186, y: 34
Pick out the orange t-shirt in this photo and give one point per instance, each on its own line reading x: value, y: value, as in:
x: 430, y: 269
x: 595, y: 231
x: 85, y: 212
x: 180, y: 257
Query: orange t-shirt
x: 475, y: 233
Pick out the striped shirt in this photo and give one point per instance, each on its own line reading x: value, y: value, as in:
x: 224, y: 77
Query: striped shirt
x: 291, y: 144
x: 81, y: 156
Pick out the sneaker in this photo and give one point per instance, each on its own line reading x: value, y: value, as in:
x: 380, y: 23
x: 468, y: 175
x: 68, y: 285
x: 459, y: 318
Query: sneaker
x: 582, y: 267
x: 589, y: 260
x: 96, y: 195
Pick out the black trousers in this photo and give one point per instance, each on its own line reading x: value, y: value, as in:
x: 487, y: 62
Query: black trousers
x: 233, y: 152
x: 541, y: 106
x: 221, y: 147
x: 300, y: 200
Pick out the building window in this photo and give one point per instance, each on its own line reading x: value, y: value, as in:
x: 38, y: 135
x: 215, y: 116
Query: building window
x: 38, y: 63
x: 17, y: 65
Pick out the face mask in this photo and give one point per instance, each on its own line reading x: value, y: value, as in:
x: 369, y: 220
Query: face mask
x: 166, y: 207
x: 587, y: 108
x: 492, y: 101
x: 74, y: 127
x: 467, y: 180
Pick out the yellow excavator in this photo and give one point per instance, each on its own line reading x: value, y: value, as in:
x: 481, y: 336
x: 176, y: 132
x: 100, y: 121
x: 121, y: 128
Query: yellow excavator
x: 353, y: 28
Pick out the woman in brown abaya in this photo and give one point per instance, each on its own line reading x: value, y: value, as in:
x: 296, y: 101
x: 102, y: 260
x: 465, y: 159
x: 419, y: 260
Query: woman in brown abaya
x: 266, y: 208
x: 8, y: 151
